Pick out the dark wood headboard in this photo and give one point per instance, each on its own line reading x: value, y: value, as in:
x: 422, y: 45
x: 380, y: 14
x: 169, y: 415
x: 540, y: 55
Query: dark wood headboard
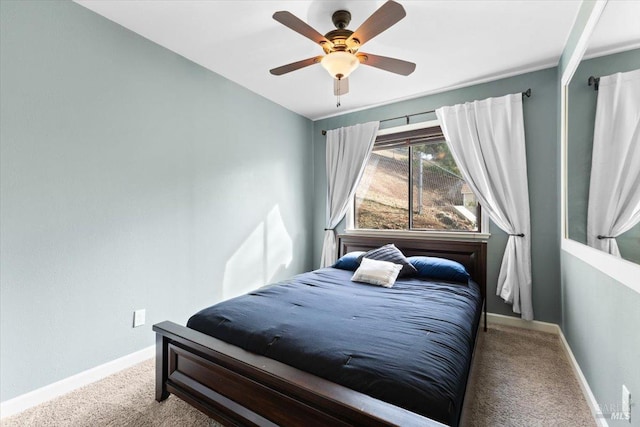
x: 471, y: 254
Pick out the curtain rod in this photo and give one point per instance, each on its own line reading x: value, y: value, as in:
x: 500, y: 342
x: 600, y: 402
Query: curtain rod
x: 526, y: 93
x: 595, y: 81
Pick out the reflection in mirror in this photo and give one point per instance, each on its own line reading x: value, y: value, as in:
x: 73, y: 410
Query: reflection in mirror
x: 614, y: 47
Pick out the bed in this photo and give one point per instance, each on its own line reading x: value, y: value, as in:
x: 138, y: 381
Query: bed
x: 240, y: 387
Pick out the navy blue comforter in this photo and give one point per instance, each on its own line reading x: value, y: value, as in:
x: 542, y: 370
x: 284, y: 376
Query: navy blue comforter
x: 409, y: 345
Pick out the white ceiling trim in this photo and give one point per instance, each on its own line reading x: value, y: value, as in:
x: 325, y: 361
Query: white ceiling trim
x: 490, y: 78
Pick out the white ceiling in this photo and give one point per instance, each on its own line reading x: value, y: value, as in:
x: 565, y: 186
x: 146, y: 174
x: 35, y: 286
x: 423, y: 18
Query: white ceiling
x: 454, y: 44
x: 618, y: 29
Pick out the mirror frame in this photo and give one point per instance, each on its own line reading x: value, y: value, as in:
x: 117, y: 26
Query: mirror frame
x: 625, y: 272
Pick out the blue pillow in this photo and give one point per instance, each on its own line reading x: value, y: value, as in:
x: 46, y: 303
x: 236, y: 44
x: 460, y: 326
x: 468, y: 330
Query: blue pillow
x: 349, y: 261
x: 439, y: 268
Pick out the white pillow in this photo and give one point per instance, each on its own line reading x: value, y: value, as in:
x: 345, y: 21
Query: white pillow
x: 375, y: 272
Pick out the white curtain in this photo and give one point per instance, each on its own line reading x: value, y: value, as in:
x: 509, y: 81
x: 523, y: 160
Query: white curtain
x: 348, y: 150
x: 614, y: 192
x: 486, y: 139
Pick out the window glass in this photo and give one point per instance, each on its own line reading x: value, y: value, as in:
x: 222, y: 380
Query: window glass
x: 381, y: 197
x: 439, y: 199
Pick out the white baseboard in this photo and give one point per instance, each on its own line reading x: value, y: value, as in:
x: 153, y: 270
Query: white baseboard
x: 584, y: 385
x: 51, y: 391
x: 534, y: 325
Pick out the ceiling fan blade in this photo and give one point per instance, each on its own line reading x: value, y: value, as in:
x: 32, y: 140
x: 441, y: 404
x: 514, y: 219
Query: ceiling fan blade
x: 288, y: 19
x: 340, y: 87
x: 393, y: 65
x: 295, y: 66
x: 387, y: 15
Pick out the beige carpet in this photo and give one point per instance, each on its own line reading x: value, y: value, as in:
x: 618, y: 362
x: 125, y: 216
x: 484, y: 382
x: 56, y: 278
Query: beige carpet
x: 522, y: 378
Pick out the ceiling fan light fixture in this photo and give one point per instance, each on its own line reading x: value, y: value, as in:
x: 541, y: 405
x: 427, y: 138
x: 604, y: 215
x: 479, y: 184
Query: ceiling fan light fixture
x: 340, y: 64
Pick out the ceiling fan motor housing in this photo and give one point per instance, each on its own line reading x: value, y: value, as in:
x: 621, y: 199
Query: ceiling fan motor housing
x: 341, y: 19
x: 339, y: 37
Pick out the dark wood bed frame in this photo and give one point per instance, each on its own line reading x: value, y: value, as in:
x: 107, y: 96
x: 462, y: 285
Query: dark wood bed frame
x: 237, y: 387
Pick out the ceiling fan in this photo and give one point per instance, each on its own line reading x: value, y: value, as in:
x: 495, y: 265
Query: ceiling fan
x: 341, y: 45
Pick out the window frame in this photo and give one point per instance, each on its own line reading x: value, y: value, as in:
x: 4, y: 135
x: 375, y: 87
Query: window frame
x: 483, y: 226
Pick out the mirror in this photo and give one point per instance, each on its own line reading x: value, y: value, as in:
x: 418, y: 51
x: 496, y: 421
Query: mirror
x: 614, y: 46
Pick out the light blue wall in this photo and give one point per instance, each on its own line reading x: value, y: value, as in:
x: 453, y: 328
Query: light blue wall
x: 581, y: 118
x: 599, y: 314
x: 540, y: 114
x: 131, y: 178
x: 601, y: 320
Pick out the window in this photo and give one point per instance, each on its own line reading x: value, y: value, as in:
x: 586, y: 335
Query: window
x: 412, y: 182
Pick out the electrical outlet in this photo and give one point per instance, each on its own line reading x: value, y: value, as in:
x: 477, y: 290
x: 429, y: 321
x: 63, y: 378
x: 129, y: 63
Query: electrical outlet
x: 139, y: 317
x: 626, y: 403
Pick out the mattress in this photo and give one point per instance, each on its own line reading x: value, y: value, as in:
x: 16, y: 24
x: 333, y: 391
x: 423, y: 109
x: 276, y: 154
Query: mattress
x: 409, y: 345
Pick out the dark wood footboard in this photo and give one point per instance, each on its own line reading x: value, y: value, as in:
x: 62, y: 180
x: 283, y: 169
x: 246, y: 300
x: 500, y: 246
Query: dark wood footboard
x: 237, y: 387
